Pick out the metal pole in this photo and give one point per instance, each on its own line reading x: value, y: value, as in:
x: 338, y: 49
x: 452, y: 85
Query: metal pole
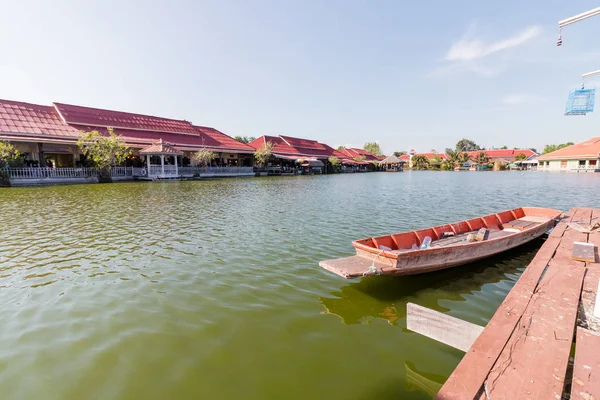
x: 579, y: 17
x: 593, y: 73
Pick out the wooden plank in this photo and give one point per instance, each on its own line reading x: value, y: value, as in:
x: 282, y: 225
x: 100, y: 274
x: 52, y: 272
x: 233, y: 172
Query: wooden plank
x: 597, y: 303
x: 355, y: 266
x: 583, y: 252
x: 468, y: 377
x: 534, y: 362
x: 589, y: 302
x: 586, y: 369
x: 441, y: 327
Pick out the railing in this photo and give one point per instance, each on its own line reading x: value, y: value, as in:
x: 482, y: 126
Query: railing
x: 225, y: 170
x: 155, y: 170
x: 42, y: 173
x: 62, y: 173
x: 121, y: 171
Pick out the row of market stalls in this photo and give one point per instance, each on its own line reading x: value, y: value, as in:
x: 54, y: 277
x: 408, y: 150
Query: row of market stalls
x: 291, y: 156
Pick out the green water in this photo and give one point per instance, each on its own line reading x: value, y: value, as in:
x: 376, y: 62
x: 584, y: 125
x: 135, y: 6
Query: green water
x: 211, y: 289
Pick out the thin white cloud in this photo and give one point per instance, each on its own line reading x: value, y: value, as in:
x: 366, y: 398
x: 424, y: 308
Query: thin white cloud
x: 522, y: 98
x: 469, y: 48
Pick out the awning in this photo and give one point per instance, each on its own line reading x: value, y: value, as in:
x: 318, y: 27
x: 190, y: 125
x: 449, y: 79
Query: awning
x: 310, y: 162
x: 284, y: 157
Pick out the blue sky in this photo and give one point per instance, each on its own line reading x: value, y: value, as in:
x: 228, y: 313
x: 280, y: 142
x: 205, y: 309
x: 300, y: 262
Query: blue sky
x: 406, y: 74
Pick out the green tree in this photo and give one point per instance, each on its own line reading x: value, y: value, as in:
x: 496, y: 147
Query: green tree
x: 360, y: 158
x: 204, y: 156
x: 447, y: 165
x: 435, y: 163
x: 520, y: 157
x: 104, y: 151
x: 373, y: 147
x: 482, y: 158
x: 549, y: 148
x: 505, y: 147
x: 466, y: 145
x: 533, y: 149
x: 263, y: 154
x: 339, y: 148
x: 420, y: 162
x: 335, y: 163
x: 8, y: 155
x: 399, y: 153
x: 433, y: 151
x: 462, y: 157
x: 245, y: 139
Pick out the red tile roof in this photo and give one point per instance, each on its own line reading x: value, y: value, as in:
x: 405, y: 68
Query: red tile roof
x: 508, y: 154
x: 357, y: 153
x: 80, y: 115
x: 302, y: 143
x: 160, y: 147
x: 590, y: 149
x: 282, y: 147
x: 223, y: 140
x: 406, y: 157
x: 32, y: 119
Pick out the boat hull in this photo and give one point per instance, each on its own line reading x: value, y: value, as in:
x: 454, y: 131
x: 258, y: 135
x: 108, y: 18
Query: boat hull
x: 374, y: 257
x: 437, y: 259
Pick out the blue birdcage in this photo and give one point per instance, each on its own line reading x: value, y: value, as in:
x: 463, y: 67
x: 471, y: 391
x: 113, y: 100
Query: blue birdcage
x: 580, y: 102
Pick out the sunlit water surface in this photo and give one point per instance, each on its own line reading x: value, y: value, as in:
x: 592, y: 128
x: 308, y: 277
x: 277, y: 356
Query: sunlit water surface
x: 212, y: 290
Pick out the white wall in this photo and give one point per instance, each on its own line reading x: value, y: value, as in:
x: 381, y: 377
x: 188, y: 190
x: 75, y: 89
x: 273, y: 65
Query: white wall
x: 571, y: 166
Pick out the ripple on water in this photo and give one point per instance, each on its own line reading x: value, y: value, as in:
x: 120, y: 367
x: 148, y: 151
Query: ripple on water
x: 212, y: 290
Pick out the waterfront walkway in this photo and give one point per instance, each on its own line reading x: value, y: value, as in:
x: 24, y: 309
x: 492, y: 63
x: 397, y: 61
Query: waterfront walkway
x: 543, y: 342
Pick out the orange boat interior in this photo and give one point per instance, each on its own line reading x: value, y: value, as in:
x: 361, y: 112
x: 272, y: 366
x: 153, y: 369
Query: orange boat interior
x: 499, y: 224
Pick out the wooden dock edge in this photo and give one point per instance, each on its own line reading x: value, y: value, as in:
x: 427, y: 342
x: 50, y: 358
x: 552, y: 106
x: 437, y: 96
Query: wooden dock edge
x: 532, y: 307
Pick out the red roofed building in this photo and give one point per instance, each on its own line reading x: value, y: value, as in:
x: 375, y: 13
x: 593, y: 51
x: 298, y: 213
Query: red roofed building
x: 508, y: 155
x: 35, y: 129
x: 289, y: 151
x: 48, y: 134
x: 406, y: 157
x: 580, y: 157
x: 361, y: 154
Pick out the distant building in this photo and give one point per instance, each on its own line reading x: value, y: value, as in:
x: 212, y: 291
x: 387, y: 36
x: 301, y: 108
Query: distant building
x: 503, y: 155
x: 47, y: 135
x: 581, y: 157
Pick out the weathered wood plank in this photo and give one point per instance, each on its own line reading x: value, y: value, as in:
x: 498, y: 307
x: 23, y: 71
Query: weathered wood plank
x: 469, y: 375
x: 471, y: 372
x: 355, y: 266
x: 589, y: 302
x: 597, y: 303
x: 583, y: 252
x: 534, y: 362
x: 586, y: 369
x: 441, y: 327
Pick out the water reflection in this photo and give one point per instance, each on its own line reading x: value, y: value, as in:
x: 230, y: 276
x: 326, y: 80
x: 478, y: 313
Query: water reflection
x: 386, y: 297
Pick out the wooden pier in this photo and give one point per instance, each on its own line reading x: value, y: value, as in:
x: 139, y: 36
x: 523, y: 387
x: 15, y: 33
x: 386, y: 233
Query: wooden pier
x: 543, y: 342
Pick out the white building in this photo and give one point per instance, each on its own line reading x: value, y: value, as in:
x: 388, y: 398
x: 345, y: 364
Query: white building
x: 581, y: 157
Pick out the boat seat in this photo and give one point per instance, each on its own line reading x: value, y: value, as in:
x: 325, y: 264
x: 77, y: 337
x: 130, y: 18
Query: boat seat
x: 525, y: 223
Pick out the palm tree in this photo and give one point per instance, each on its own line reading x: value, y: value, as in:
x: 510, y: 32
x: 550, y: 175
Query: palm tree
x: 463, y: 158
x: 520, y: 157
x: 420, y: 162
x: 482, y: 158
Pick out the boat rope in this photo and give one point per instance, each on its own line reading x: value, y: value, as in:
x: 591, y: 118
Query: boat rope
x: 372, y: 270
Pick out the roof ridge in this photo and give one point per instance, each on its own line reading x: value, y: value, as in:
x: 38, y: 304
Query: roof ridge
x: 122, y: 112
x: 24, y: 103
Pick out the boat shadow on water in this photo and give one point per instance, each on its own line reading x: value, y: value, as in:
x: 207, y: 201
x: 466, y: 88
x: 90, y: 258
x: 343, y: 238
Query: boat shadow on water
x: 385, y: 297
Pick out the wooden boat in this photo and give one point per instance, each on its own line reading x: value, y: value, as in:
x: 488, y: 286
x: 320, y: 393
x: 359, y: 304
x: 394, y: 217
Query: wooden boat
x: 401, y: 253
